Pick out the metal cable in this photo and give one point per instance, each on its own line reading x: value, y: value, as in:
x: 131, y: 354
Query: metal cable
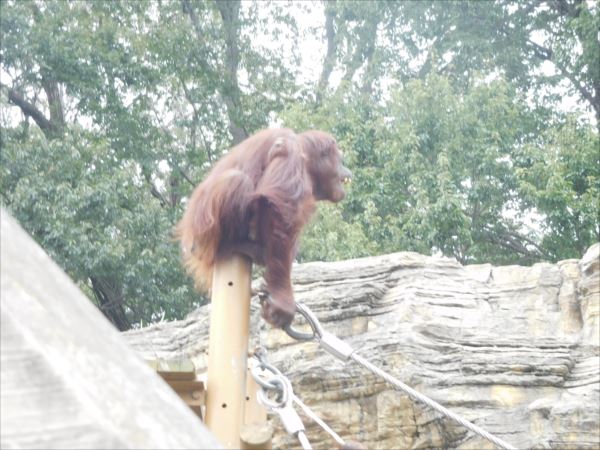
x: 431, y: 403
x: 310, y: 413
x: 279, y: 382
x: 341, y: 350
x: 304, y: 442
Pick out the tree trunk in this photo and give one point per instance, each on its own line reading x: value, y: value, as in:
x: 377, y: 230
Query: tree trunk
x: 365, y: 47
x: 229, y: 90
x: 55, y: 102
x: 53, y: 127
x: 111, y: 303
x: 230, y: 10
x: 329, y: 60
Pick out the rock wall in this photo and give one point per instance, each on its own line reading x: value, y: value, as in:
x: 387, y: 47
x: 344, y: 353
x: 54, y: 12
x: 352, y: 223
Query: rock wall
x: 513, y: 349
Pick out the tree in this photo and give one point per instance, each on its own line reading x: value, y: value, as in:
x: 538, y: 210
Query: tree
x: 437, y: 169
x: 450, y: 115
x: 456, y: 187
x: 541, y: 45
x: 562, y: 183
x: 98, y: 221
x: 73, y: 190
x: 133, y: 108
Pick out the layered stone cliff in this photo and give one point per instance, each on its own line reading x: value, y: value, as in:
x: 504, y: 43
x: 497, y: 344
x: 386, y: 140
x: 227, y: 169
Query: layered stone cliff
x: 513, y: 349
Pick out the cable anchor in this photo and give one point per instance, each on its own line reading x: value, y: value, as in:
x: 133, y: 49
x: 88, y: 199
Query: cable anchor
x: 282, y: 404
x: 331, y: 343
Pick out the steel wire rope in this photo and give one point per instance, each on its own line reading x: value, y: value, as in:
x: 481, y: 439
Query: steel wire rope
x: 343, y: 351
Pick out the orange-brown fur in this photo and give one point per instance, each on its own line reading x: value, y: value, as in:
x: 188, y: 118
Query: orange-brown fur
x: 255, y: 201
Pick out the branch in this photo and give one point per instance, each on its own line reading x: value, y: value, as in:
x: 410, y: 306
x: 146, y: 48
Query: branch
x: 528, y: 241
x: 110, y: 302
x: 30, y: 110
x: 540, y: 51
x: 428, y: 64
x: 329, y: 60
x: 195, y: 127
x: 365, y: 44
x: 156, y: 194
x: 513, y: 241
x: 562, y: 7
x: 185, y: 176
x: 369, y: 75
x: 55, y: 102
x: 546, y: 55
x: 230, y: 90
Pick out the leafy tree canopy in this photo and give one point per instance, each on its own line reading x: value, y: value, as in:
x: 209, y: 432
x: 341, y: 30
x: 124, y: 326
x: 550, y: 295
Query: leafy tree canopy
x: 471, y: 128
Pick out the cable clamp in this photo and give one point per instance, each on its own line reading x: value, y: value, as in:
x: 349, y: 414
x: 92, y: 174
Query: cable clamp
x: 330, y: 343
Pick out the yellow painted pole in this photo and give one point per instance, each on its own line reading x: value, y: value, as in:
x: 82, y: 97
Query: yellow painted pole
x: 228, y: 349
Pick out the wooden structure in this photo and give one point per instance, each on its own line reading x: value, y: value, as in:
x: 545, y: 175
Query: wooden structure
x: 232, y: 411
x: 69, y: 379
x: 228, y: 349
x: 181, y: 376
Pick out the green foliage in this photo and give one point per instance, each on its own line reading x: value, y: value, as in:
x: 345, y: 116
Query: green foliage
x: 330, y: 238
x: 433, y: 170
x: 456, y: 155
x: 450, y: 115
x: 88, y: 210
x: 562, y: 181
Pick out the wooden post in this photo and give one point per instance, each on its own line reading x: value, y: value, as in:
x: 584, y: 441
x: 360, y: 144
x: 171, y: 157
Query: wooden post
x: 228, y: 349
